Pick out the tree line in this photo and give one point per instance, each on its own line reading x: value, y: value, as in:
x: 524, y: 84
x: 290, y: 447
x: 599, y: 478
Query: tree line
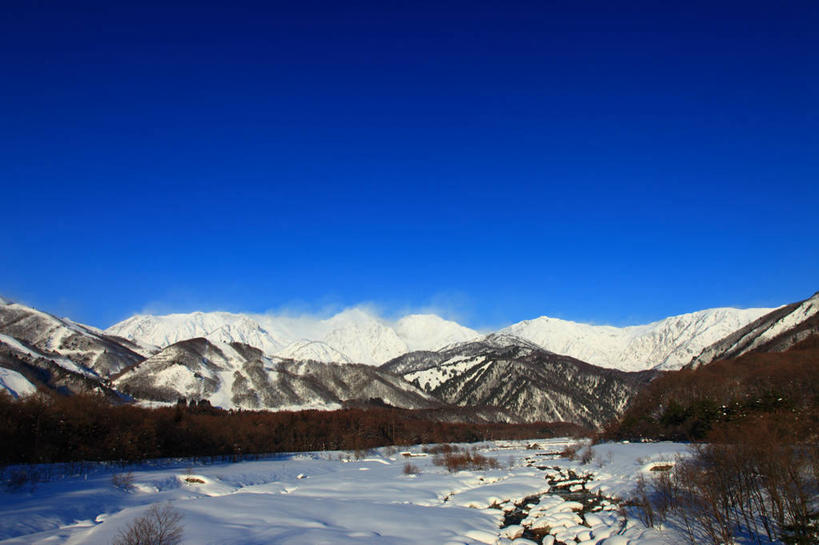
x: 47, y: 429
x: 696, y: 404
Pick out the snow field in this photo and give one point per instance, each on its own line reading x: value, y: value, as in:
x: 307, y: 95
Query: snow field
x: 328, y: 497
x: 15, y: 384
x: 61, y: 361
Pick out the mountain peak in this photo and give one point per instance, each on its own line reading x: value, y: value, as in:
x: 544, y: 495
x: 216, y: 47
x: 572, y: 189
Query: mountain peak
x: 431, y: 332
x: 669, y: 343
x: 359, y: 335
x: 505, y: 340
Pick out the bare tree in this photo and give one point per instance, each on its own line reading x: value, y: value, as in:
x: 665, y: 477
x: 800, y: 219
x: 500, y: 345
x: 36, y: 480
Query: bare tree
x: 160, y: 525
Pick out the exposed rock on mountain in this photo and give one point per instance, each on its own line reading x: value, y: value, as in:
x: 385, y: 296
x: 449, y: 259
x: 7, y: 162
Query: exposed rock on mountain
x: 239, y: 376
x: 521, y: 377
x: 76, y: 347
x: 24, y: 370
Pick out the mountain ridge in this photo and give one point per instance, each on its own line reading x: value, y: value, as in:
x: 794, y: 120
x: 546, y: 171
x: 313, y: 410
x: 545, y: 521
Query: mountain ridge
x: 240, y: 376
x: 775, y: 331
x: 356, y: 335
x: 513, y: 377
x: 521, y: 377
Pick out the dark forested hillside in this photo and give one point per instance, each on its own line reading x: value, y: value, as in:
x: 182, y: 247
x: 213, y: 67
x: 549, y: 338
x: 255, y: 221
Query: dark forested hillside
x: 690, y: 403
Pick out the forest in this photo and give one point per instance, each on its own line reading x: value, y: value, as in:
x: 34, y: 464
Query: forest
x: 779, y: 388
x: 46, y: 429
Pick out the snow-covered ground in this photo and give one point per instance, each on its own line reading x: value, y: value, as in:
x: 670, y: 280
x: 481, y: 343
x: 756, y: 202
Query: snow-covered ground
x: 333, y: 498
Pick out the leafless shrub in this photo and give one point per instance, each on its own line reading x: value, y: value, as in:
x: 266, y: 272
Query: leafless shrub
x: 124, y: 481
x: 20, y: 477
x: 641, y: 500
x: 606, y: 459
x: 570, y: 452
x: 586, y: 455
x: 411, y: 469
x: 444, y: 448
x: 161, y: 525
x: 665, y: 497
x: 360, y: 453
x: 756, y: 488
x: 467, y: 459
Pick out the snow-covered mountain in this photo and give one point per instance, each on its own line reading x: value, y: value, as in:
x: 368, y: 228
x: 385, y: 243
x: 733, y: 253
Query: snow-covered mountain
x: 533, y: 370
x: 666, y: 344
x: 240, y: 376
x: 776, y: 331
x: 78, y: 348
x: 431, y: 332
x: 533, y: 384
x: 24, y: 370
x: 312, y: 351
x: 354, y: 335
x: 165, y: 330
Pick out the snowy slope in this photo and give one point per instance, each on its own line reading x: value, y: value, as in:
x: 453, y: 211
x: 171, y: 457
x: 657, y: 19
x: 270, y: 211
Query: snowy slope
x: 666, y: 344
x: 354, y: 335
x: 431, y: 332
x: 24, y: 367
x: 522, y: 378
x: 240, y: 376
x: 76, y: 347
x: 247, y: 331
x: 314, y: 351
x: 165, y: 330
x: 15, y: 384
x: 362, y: 337
x: 19, y: 347
x: 774, y: 332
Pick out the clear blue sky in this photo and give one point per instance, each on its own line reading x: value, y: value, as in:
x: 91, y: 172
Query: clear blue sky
x: 496, y: 161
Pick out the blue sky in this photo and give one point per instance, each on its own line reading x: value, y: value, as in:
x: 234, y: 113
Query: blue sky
x: 490, y: 161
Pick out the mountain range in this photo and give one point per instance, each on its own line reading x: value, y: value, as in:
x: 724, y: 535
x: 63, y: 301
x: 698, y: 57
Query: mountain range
x: 541, y: 369
x: 351, y: 336
x: 358, y: 336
